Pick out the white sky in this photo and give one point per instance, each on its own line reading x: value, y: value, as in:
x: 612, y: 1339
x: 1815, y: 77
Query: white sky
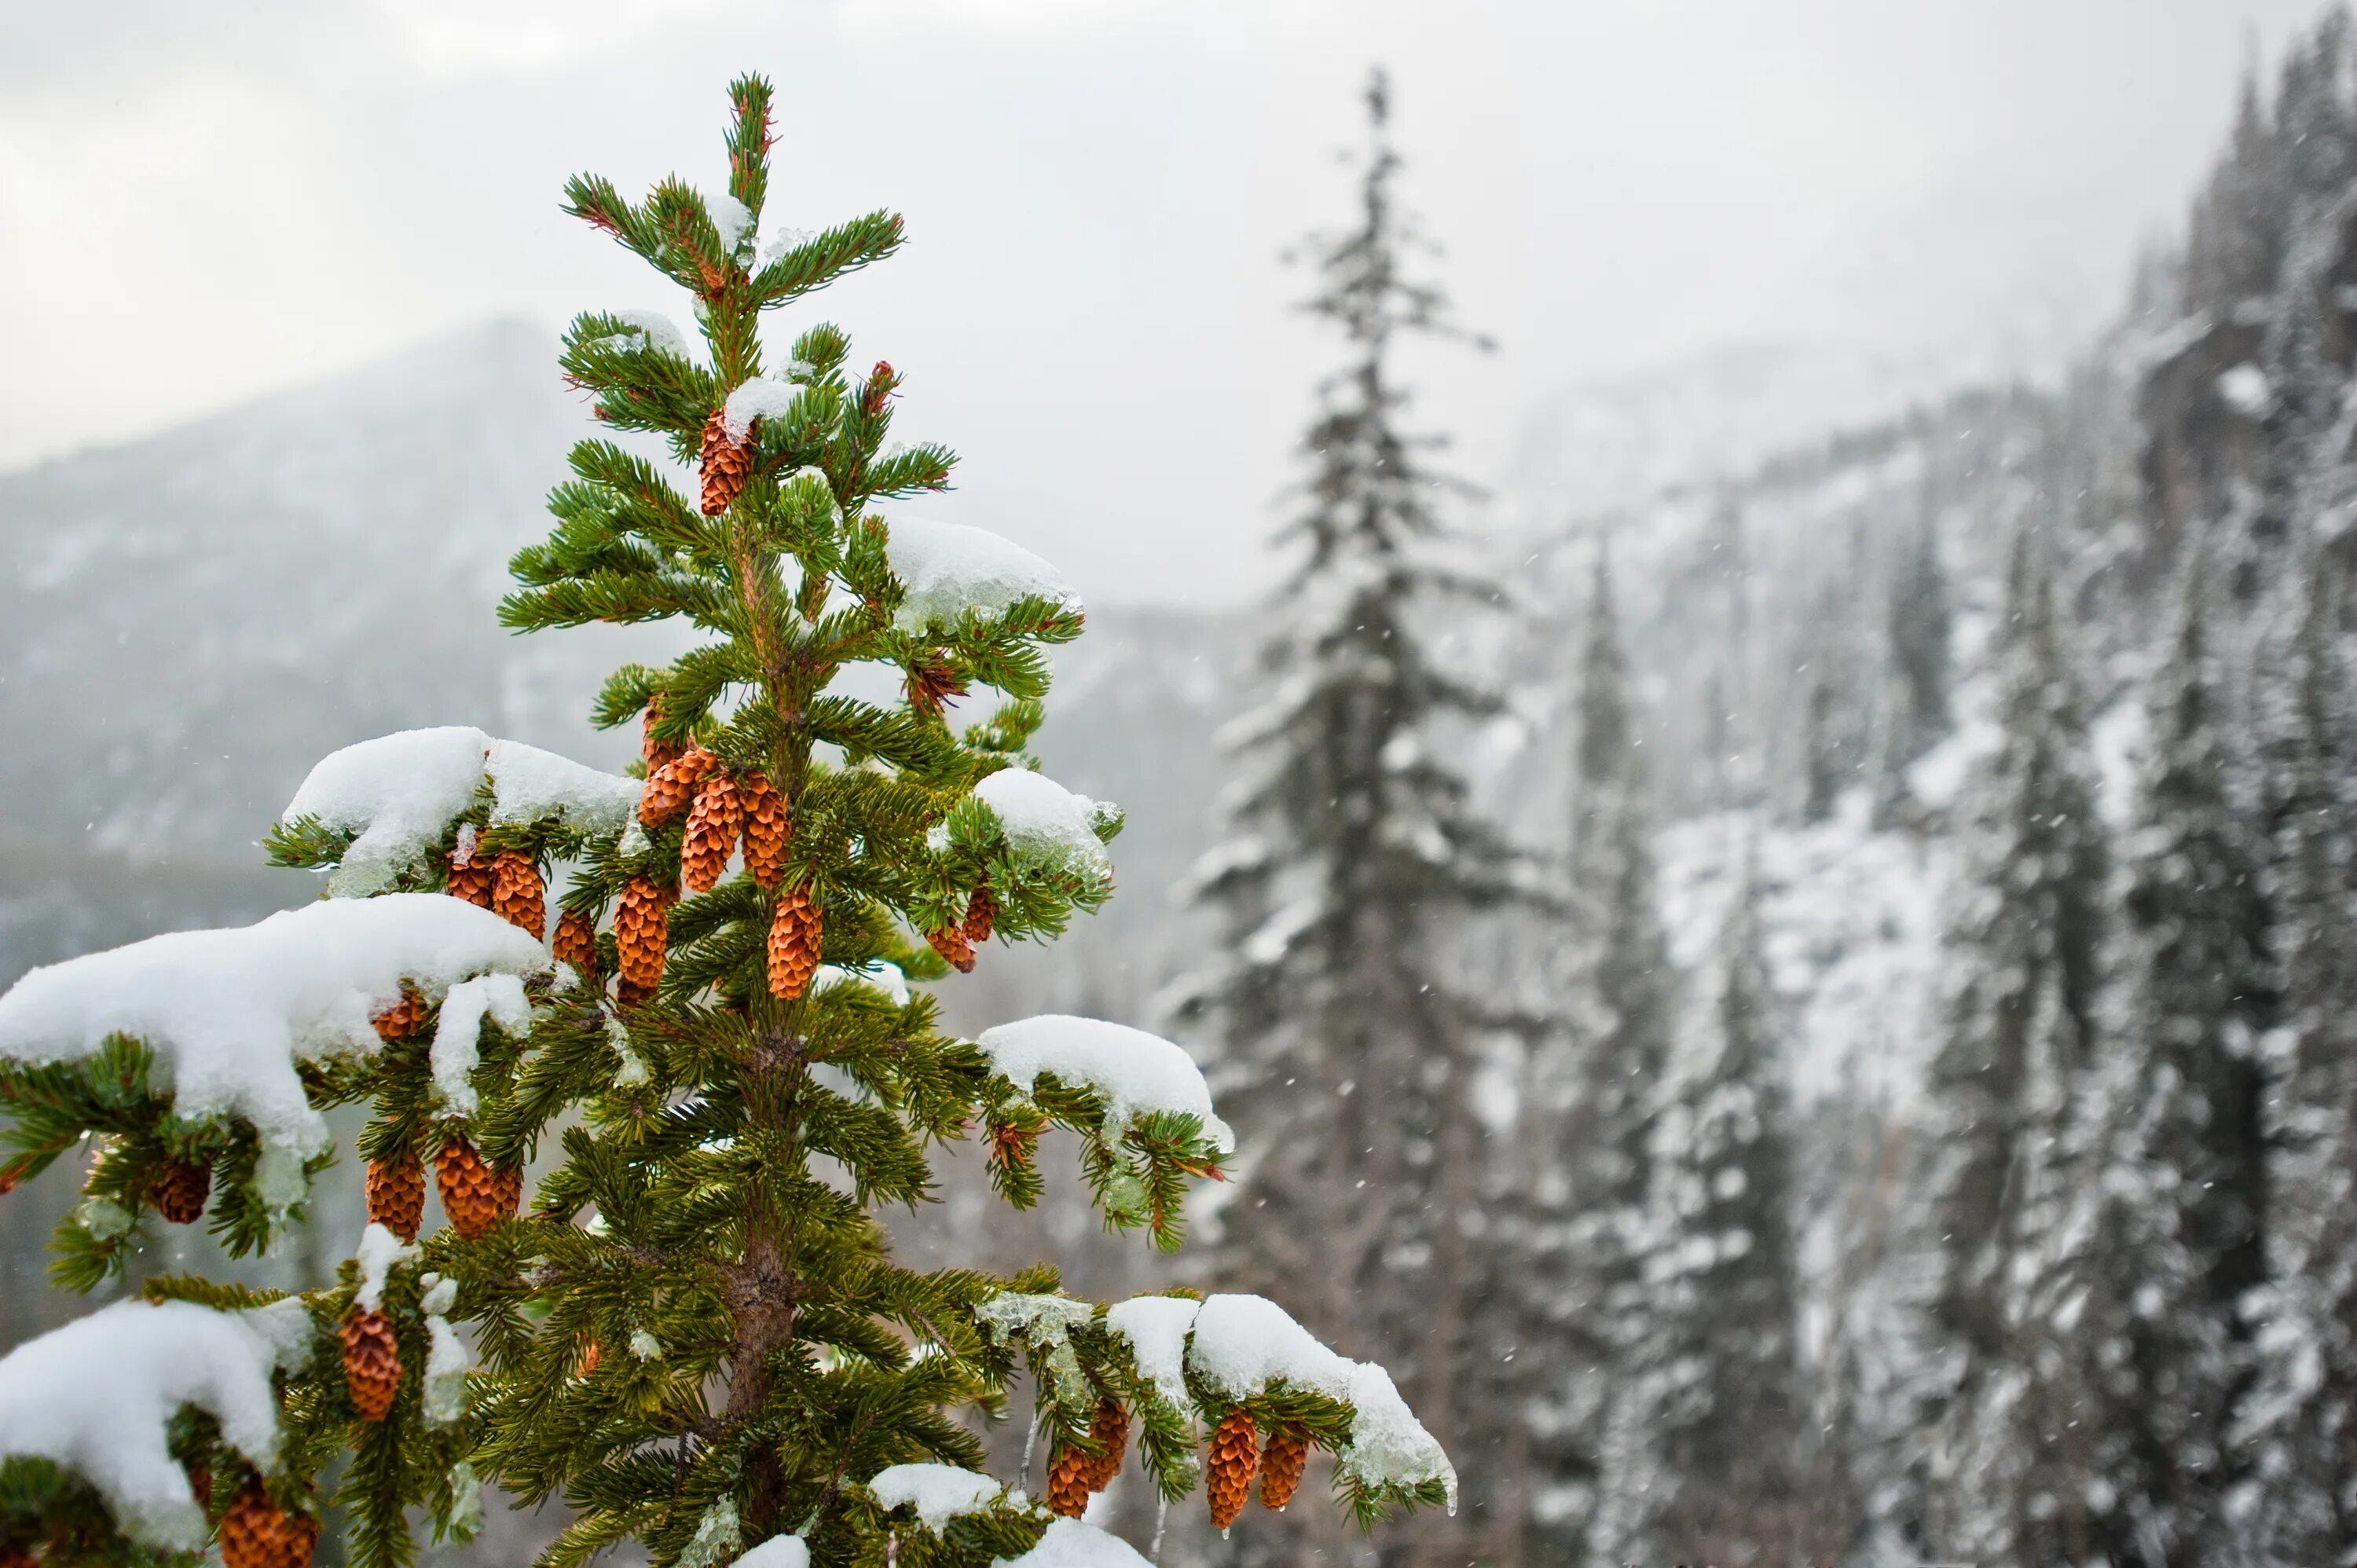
x: 201, y: 203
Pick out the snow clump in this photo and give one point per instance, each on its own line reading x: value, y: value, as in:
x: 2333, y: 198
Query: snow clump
x: 1156, y: 1327
x: 229, y: 1012
x: 1069, y: 1543
x: 1046, y: 824
x: 949, y: 568
x: 1135, y: 1074
x: 757, y: 399
x: 778, y: 1552
x: 95, y: 1398
x: 939, y: 1493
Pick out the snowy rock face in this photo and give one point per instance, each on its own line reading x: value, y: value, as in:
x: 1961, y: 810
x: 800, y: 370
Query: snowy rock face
x: 95, y: 1398
x: 230, y: 1013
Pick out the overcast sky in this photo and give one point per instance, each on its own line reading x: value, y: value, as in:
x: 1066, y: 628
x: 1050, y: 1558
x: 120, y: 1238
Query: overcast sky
x: 202, y: 203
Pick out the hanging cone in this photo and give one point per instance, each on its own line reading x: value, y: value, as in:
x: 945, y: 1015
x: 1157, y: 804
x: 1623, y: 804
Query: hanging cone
x: 372, y: 1362
x: 655, y: 752
x: 641, y: 918
x: 1228, y: 1473
x: 397, y: 1195
x: 517, y: 896
x: 671, y: 787
x: 474, y: 1195
x: 1281, y: 1464
x: 981, y: 914
x: 577, y: 943
x: 712, y: 828
x: 200, y: 1482
x: 508, y: 1187
x: 724, y: 463
x: 794, y: 936
x: 257, y: 1534
x: 471, y: 882
x: 1110, y: 1428
x: 180, y: 1188
x: 1068, y: 1482
x: 630, y: 993
x: 767, y: 829
x: 402, y: 1019
x: 951, y: 943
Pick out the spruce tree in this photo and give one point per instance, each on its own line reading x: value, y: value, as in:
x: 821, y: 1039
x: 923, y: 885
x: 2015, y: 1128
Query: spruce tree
x: 2300, y: 1420
x: 1350, y: 1042
x: 1711, y: 1451
x: 2188, y: 1170
x: 693, y: 1331
x: 2024, y: 949
x: 1594, y: 1223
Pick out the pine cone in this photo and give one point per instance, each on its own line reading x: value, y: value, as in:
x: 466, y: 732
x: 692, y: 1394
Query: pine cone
x: 257, y: 1534
x: 655, y: 752
x: 981, y: 914
x: 724, y: 463
x: 1109, y: 1428
x: 794, y: 933
x: 508, y: 1189
x: 372, y: 1362
x: 474, y: 1195
x: 14, y: 1555
x: 642, y: 918
x: 397, y: 1195
x: 180, y: 1188
x: 671, y: 787
x: 767, y: 829
x: 1068, y: 1482
x: 1281, y: 1464
x: 471, y: 882
x: 517, y: 896
x: 951, y: 943
x: 577, y: 943
x: 1228, y: 1473
x: 402, y: 1019
x: 712, y: 828
x: 630, y: 993
x: 200, y: 1483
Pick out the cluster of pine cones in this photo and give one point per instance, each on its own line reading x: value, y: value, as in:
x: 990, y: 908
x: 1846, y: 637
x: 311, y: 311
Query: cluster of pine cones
x: 1236, y: 1454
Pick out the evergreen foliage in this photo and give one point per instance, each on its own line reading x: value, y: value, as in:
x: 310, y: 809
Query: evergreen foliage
x: 1350, y: 1042
x: 694, y: 1335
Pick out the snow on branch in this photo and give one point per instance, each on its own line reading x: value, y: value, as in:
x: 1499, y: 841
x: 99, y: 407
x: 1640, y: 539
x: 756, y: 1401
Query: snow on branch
x: 96, y: 1396
x: 1069, y: 1543
x: 1135, y: 1074
x: 939, y: 1493
x: 229, y: 1012
x: 949, y: 568
x: 400, y: 793
x: 1046, y: 825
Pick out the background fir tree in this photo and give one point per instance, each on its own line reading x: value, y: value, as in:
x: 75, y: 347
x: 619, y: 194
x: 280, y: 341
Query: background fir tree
x: 694, y: 1333
x: 2025, y: 946
x: 1350, y: 1044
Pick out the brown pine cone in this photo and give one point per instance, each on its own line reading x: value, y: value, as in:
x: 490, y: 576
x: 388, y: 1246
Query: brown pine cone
x: 794, y: 935
x: 981, y: 914
x: 471, y: 882
x: 641, y: 919
x: 200, y: 1483
x: 1281, y: 1464
x: 517, y: 896
x: 179, y: 1190
x: 655, y: 752
x: 372, y: 1362
x: 1228, y: 1473
x: 1068, y: 1482
x: 724, y: 464
x: 1109, y: 1428
x: 397, y: 1195
x: 671, y: 787
x: 577, y: 943
x: 474, y: 1195
x: 14, y: 1555
x: 767, y: 829
x: 257, y: 1534
x: 630, y: 993
x: 951, y: 943
x: 402, y: 1019
x: 712, y: 826
x: 508, y: 1189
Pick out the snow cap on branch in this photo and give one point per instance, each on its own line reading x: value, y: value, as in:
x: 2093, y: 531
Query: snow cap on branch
x: 1069, y: 1543
x: 949, y: 568
x: 1046, y: 824
x: 1135, y: 1073
x: 229, y: 1012
x: 96, y: 1396
x: 939, y: 1493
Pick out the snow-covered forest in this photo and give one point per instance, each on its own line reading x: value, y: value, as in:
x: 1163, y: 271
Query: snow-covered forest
x: 1804, y: 1012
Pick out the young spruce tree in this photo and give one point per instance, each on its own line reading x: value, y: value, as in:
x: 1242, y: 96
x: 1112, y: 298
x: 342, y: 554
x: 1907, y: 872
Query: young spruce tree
x: 1349, y: 1040
x: 693, y: 1332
